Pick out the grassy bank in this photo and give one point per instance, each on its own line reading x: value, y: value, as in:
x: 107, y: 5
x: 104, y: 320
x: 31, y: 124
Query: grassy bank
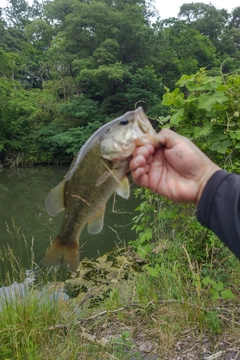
x: 172, y: 294
x: 128, y: 314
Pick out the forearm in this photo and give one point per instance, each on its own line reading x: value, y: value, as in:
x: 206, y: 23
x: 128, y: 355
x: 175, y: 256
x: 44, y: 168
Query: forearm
x: 219, y: 208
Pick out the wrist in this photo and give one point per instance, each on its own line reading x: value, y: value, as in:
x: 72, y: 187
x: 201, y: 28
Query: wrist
x: 207, y: 174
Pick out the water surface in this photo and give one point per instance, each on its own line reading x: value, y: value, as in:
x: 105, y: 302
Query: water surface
x: 25, y: 224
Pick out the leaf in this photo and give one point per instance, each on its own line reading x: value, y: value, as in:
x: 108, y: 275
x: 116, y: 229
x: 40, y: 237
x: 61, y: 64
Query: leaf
x: 176, y: 92
x: 217, y: 134
x: 207, y: 280
x: 206, y: 102
x: 215, y: 146
x: 215, y: 294
x: 222, y: 136
x: 226, y: 143
x: 233, y: 135
x: 218, y: 285
x: 185, y: 79
x: 207, y: 127
x: 167, y: 99
x: 227, y: 294
x: 176, y: 118
x: 191, y: 98
x: 218, y: 79
x: 238, y: 136
x: 179, y: 100
x: 220, y: 97
x: 196, y: 87
x: 207, y: 79
x: 222, y: 150
x: 143, y: 251
x: 196, y: 132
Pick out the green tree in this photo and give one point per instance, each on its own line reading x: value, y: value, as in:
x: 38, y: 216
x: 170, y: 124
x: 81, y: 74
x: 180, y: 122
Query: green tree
x: 205, y: 18
x: 145, y: 88
x: 111, y: 35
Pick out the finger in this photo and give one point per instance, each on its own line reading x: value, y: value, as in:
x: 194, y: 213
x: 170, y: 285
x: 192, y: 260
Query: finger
x: 137, y: 162
x: 145, y: 150
x: 140, y: 176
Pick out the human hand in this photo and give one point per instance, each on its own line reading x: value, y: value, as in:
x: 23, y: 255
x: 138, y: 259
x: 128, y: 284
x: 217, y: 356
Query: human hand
x: 177, y: 170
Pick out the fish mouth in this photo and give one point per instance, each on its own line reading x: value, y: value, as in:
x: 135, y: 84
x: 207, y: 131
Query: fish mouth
x: 146, y: 133
x: 133, y: 130
x: 149, y: 139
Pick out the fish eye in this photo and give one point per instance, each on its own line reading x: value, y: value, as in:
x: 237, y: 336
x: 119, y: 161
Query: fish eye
x: 124, y: 122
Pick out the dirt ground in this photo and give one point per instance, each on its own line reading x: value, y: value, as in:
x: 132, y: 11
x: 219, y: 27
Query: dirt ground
x: 190, y: 348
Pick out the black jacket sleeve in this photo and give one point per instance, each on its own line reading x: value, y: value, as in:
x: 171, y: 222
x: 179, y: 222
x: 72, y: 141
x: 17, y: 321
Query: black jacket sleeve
x: 219, y: 208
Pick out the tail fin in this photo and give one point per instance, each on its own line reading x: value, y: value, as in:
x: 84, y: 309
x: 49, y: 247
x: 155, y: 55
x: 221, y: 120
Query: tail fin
x: 66, y: 254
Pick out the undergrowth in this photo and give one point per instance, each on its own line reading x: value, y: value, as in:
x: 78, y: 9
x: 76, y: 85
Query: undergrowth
x: 176, y: 281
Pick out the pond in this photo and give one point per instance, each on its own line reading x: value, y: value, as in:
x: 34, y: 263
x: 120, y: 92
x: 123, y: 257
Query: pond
x: 27, y: 229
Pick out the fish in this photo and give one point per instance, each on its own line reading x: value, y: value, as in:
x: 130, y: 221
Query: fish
x: 99, y: 169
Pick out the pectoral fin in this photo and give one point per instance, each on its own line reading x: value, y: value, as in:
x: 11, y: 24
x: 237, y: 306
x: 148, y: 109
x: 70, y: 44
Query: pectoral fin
x: 54, y: 200
x: 102, y: 178
x: 95, y: 225
x: 123, y: 188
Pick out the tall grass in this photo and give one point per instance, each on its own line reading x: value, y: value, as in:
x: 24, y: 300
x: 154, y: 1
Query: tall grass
x: 28, y: 305
x: 24, y: 323
x: 15, y: 258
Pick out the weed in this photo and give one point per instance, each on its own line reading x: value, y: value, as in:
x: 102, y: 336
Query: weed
x: 123, y: 347
x: 24, y: 321
x: 212, y: 321
x: 113, y: 301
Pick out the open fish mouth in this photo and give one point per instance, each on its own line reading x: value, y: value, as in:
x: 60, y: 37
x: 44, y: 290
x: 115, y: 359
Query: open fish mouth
x: 148, y: 135
x: 132, y: 130
x: 148, y: 139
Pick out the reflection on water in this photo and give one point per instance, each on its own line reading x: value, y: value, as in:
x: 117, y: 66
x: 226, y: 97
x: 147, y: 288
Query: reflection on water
x: 22, y: 212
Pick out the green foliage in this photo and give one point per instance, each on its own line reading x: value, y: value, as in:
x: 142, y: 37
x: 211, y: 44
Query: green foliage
x: 145, y: 223
x: 80, y: 111
x: 104, y: 80
x: 199, y: 242
x: 123, y: 347
x: 205, y: 109
x: 193, y: 50
x: 216, y: 289
x: 184, y: 264
x: 74, y: 63
x: 145, y: 88
x: 177, y: 247
x: 212, y: 321
x: 61, y: 143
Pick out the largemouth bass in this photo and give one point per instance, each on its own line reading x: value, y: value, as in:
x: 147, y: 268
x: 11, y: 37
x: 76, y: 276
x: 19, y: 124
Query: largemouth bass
x: 100, y: 168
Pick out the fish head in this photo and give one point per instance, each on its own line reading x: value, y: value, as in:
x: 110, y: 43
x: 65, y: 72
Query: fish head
x: 125, y: 133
